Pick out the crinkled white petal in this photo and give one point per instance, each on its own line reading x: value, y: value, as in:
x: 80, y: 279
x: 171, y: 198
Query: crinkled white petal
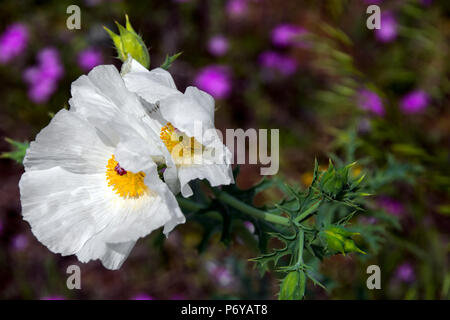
x: 62, y: 207
x: 135, y: 218
x: 69, y: 142
x: 191, y: 113
x: 66, y: 199
x: 102, y: 93
x: 152, y: 86
x: 112, y: 255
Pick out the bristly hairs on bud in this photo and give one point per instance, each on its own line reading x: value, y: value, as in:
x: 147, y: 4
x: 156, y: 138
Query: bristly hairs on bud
x: 128, y: 42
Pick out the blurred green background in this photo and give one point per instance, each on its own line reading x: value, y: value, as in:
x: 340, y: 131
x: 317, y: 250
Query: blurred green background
x: 334, y: 88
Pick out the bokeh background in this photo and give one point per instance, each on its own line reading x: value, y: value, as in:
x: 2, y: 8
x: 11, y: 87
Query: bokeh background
x: 310, y: 68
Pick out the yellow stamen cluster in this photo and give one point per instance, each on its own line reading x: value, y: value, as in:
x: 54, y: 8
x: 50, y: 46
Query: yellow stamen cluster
x: 174, y: 139
x: 169, y: 136
x: 127, y: 185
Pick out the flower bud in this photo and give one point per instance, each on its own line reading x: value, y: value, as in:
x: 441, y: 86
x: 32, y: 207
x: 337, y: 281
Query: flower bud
x: 128, y: 42
x: 293, y: 286
x: 338, y: 239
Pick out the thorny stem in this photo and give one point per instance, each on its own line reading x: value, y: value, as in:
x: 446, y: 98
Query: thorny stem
x: 257, y: 213
x: 239, y: 205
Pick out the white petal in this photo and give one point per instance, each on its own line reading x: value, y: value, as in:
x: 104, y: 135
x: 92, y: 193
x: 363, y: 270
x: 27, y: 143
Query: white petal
x: 152, y: 86
x: 112, y: 255
x: 69, y: 142
x: 187, y: 114
x: 62, y: 207
x: 102, y: 93
x: 218, y: 174
x: 132, y: 219
x: 204, y: 99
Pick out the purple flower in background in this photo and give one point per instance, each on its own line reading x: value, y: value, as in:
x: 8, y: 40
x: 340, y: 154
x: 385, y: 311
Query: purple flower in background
x: 50, y: 64
x: 142, y: 296
x: 177, y: 297
x: 370, y: 101
x: 426, y: 2
x: 215, y: 80
x: 368, y: 220
x: 92, y: 3
x: 1, y: 226
x: 89, y: 58
x: 388, y: 30
x: 269, y: 59
x: 287, y: 65
x: 373, y: 1
x: 220, y: 274
x: 364, y: 126
x: 282, y: 63
x: 285, y: 35
x: 53, y: 297
x: 414, y: 102
x: 391, y: 206
x: 237, y: 8
x: 218, y: 45
x: 19, y: 242
x: 43, y: 78
x: 249, y: 226
x: 13, y: 42
x: 405, y: 273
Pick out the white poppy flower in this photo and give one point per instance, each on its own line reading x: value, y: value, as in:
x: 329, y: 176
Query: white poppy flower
x: 186, y: 125
x: 91, y: 186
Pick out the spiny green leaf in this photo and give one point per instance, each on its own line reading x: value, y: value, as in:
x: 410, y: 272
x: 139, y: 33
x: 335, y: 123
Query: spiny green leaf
x: 169, y: 60
x: 18, y: 152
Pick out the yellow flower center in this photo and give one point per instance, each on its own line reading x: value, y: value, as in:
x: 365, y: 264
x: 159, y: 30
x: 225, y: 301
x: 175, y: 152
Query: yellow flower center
x: 125, y: 183
x: 179, y: 144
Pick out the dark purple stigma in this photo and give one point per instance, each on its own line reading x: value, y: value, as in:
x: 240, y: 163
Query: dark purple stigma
x: 120, y: 171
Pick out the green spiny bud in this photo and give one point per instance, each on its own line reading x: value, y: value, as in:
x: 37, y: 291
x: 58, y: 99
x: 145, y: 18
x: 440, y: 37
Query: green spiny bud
x: 293, y: 286
x: 128, y: 42
x: 338, y: 239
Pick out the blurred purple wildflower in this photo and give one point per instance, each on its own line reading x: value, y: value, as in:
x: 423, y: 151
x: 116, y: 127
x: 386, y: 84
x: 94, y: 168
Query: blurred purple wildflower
x: 89, y: 58
x: 285, y: 35
x: 368, y: 220
x: 142, y: 296
x: 13, y: 42
x: 391, y: 206
x: 1, y: 226
x: 364, y: 126
x: 177, y: 296
x: 276, y: 61
x: 426, y: 2
x: 237, y: 8
x: 370, y: 101
x: 19, y: 242
x: 215, y: 80
x: 92, y: 3
x: 405, y: 273
x: 53, y: 297
x: 43, y: 78
x: 388, y: 30
x: 249, y: 226
x: 373, y: 1
x: 218, y: 45
x: 220, y: 274
x: 414, y: 102
x: 50, y: 64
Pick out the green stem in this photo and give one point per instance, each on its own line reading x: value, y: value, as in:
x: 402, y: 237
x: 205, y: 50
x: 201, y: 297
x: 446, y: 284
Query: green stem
x: 189, y: 204
x: 301, y: 244
x: 308, y: 211
x: 257, y: 213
